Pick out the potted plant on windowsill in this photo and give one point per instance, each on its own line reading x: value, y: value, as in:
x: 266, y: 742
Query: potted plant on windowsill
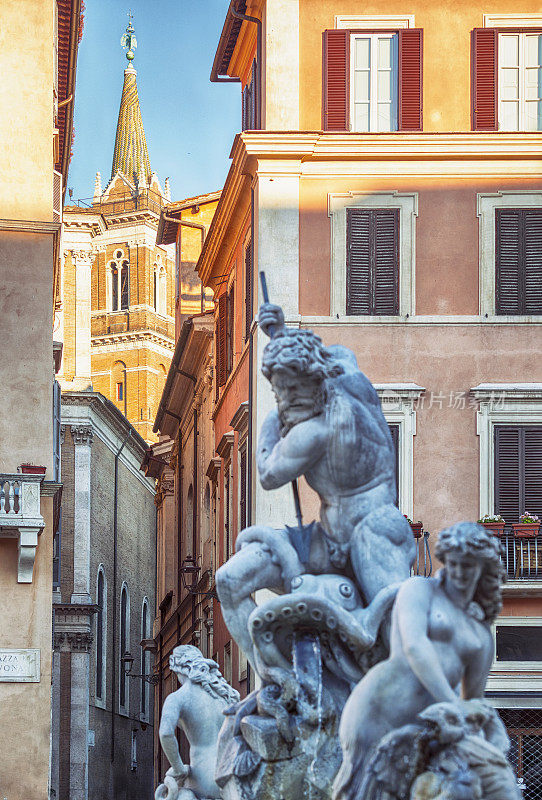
x: 527, y: 527
x: 417, y: 527
x: 493, y: 522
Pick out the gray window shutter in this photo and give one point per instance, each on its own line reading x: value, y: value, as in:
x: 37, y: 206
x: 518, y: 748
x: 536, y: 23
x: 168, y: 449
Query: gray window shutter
x: 394, y: 430
x: 518, y: 261
x: 518, y: 470
x: 372, y: 263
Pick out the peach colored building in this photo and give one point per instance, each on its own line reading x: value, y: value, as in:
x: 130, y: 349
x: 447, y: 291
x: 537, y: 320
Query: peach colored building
x: 387, y: 181
x: 38, y: 59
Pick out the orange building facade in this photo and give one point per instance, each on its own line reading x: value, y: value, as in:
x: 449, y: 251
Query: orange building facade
x: 387, y: 181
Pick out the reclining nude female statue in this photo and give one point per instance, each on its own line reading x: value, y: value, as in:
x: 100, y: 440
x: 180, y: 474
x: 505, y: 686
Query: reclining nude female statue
x: 196, y: 707
x: 441, y: 641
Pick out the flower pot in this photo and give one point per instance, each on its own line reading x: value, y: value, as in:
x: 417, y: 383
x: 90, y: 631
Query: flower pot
x: 496, y: 528
x: 525, y: 530
x: 32, y: 469
x: 417, y: 529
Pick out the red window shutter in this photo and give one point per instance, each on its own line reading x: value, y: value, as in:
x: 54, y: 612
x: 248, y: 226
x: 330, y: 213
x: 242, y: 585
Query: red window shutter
x: 221, y: 340
x: 336, y: 80
x: 410, y: 116
x: 484, y: 79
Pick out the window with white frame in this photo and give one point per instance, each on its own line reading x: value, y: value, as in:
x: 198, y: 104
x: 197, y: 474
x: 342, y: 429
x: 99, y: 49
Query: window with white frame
x: 512, y: 408
x: 520, y: 81
x: 398, y: 406
x: 510, y: 252
x: 101, y: 636
x: 373, y: 99
x: 373, y: 250
x: 124, y: 647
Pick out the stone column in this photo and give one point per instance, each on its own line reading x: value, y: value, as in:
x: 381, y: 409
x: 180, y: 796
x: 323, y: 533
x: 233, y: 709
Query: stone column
x: 83, y: 263
x: 82, y: 439
x: 276, y: 224
x: 80, y: 644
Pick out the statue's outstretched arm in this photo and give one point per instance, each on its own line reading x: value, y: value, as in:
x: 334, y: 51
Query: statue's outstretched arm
x: 413, y: 608
x: 283, y: 460
x: 171, y: 713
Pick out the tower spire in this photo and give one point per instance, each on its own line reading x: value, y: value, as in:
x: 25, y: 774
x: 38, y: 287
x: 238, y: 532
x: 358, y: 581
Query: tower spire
x: 130, y: 156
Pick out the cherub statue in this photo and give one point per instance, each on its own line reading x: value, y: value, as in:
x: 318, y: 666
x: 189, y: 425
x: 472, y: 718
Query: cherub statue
x: 197, y: 708
x: 440, y: 641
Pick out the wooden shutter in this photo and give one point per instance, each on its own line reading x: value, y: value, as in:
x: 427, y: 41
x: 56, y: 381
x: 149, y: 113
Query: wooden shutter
x: 221, y: 340
x: 518, y: 470
x: 507, y: 473
x: 394, y: 430
x: 410, y: 117
x: 248, y: 289
x: 336, y: 63
x: 533, y: 469
x: 242, y: 489
x: 230, y: 320
x: 518, y: 260
x: 358, y: 261
x: 508, y: 232
x: 386, y: 261
x: 372, y: 266
x: 533, y: 261
x: 484, y: 79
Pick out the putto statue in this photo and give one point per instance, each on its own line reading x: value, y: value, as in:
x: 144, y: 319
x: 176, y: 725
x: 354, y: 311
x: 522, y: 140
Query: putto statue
x: 197, y: 708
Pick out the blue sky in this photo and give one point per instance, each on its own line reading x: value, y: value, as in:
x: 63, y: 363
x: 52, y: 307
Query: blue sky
x: 189, y: 121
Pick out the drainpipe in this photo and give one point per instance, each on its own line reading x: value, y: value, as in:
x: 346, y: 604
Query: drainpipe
x: 250, y: 368
x: 114, y: 626
x: 258, y: 23
x: 203, y: 231
x: 194, y: 512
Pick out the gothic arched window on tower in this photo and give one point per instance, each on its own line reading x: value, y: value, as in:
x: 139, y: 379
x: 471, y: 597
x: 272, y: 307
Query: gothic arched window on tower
x: 114, y: 294
x: 160, y: 289
x: 124, y: 285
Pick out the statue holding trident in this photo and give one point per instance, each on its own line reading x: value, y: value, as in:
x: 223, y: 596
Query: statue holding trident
x: 329, y: 427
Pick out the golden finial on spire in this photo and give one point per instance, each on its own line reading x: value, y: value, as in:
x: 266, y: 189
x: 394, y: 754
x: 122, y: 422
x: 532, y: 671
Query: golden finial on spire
x: 128, y: 40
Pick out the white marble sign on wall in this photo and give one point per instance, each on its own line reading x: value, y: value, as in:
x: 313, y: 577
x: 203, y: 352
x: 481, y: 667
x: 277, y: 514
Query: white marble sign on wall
x: 19, y: 666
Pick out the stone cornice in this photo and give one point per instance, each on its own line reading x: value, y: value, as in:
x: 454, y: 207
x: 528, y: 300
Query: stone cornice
x: 378, y: 146
x: 297, y: 152
x: 29, y: 226
x: 132, y: 336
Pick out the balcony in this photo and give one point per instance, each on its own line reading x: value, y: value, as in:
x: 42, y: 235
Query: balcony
x: 423, y: 564
x: 522, y: 556
x: 20, y: 517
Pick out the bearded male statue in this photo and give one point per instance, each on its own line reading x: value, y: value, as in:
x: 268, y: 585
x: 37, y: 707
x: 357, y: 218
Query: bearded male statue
x: 329, y: 427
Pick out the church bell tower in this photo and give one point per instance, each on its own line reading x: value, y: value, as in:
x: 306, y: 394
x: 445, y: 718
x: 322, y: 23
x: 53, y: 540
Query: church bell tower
x: 118, y: 317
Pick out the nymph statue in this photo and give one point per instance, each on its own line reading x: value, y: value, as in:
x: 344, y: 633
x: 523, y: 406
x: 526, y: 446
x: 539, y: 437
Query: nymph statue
x: 197, y: 708
x: 329, y: 427
x: 441, y: 648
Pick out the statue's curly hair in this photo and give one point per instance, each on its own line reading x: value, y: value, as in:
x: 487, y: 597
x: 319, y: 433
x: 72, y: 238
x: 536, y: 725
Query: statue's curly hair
x: 191, y: 662
x: 472, y: 539
x: 299, y: 353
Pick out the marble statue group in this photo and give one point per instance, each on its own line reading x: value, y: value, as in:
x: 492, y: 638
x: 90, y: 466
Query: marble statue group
x: 371, y: 682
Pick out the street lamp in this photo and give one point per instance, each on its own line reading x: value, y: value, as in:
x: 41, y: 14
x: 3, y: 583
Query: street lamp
x: 128, y: 662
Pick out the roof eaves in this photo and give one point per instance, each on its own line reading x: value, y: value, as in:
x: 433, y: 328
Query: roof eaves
x: 227, y: 41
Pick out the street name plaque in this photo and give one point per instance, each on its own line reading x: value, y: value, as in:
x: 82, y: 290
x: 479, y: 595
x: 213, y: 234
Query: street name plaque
x: 19, y: 666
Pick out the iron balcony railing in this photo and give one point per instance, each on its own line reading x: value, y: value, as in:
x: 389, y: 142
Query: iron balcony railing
x: 143, y: 200
x: 522, y: 556
x: 423, y: 564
